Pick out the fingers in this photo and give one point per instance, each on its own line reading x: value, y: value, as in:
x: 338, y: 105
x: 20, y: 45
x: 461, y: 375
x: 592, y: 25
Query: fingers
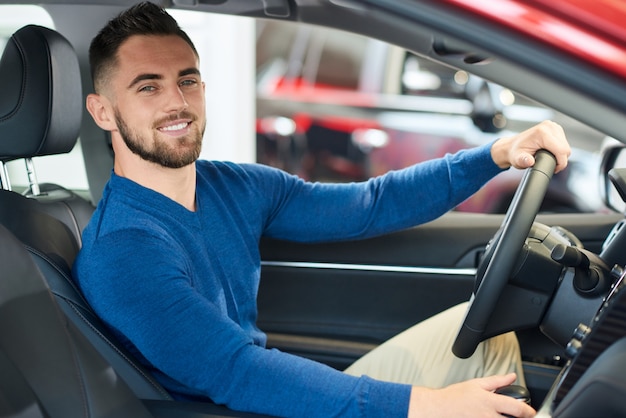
x: 492, y: 383
x: 504, y: 404
x: 472, y: 398
x: 524, y: 160
x: 518, y: 151
x: 556, y: 142
x: 508, y: 406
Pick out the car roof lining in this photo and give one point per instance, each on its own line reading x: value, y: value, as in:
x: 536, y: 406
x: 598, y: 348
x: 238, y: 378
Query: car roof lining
x: 582, y: 93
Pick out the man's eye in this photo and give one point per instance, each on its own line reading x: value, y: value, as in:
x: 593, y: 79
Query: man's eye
x: 147, y: 88
x: 189, y: 82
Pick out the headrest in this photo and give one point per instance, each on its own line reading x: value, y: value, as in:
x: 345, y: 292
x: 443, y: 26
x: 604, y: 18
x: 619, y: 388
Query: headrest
x: 40, y: 95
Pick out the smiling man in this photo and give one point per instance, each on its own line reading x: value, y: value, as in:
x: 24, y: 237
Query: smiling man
x: 170, y: 260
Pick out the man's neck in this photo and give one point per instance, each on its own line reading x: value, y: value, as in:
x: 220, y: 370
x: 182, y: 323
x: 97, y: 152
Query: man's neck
x: 178, y: 184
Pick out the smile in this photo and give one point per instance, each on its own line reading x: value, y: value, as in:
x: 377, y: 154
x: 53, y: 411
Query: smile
x: 176, y: 127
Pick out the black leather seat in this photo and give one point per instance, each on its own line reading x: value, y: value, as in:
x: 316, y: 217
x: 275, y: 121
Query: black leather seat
x: 49, y: 369
x: 40, y: 114
x: 47, y: 366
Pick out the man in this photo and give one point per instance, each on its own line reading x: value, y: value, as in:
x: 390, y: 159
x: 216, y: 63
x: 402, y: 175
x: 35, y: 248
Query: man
x: 170, y: 260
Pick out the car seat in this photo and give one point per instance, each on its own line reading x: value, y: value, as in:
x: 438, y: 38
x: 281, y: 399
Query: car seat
x: 47, y: 367
x: 40, y: 114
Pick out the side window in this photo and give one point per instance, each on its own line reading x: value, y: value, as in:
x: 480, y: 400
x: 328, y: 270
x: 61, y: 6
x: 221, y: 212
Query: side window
x: 485, y: 102
x: 274, y: 52
x: 425, y: 78
x: 356, y: 108
x: 336, y: 59
x: 274, y: 40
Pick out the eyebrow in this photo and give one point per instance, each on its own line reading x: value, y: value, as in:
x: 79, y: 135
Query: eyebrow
x: 148, y: 76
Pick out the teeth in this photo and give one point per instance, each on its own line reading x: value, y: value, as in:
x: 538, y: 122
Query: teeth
x: 175, y: 127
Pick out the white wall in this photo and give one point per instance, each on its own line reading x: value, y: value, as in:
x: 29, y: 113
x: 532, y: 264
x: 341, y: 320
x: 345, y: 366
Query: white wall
x: 226, y: 45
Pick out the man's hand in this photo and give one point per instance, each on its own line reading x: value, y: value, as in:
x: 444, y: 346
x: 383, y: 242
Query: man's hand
x: 472, y: 398
x: 519, y: 150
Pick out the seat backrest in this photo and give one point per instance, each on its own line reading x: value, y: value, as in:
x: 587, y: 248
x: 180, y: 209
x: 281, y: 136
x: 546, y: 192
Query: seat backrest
x: 49, y: 369
x: 40, y: 112
x: 41, y: 107
x: 53, y: 248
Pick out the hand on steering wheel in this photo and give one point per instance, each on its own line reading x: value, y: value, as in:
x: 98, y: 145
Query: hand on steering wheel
x: 501, y: 258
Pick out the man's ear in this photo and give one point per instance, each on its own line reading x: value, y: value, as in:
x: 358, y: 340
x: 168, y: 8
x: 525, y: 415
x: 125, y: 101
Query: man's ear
x: 101, y: 111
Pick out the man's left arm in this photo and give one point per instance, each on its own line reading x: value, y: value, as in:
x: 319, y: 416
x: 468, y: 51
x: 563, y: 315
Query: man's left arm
x: 313, y: 212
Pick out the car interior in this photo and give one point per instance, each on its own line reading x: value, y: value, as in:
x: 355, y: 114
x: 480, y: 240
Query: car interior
x: 58, y: 358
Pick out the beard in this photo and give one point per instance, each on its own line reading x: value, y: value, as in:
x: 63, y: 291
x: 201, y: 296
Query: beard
x: 174, y: 153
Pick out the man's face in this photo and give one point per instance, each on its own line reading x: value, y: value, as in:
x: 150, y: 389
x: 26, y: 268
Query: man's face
x: 158, y: 100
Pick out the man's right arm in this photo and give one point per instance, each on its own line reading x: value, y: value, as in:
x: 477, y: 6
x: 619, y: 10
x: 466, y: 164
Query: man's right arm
x: 140, y: 289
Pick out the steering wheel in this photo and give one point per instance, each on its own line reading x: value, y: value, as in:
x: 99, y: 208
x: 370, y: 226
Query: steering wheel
x: 500, y: 259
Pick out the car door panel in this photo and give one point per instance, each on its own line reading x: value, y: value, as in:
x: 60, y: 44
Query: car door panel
x: 334, y: 302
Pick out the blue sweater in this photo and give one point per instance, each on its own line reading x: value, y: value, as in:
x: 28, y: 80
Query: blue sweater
x: 179, y: 288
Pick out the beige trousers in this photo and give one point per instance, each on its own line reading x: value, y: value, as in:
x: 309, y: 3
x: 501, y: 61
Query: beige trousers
x: 422, y: 355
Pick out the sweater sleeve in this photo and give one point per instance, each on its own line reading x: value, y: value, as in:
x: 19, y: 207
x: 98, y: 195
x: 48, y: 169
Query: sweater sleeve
x: 399, y: 199
x: 149, y: 299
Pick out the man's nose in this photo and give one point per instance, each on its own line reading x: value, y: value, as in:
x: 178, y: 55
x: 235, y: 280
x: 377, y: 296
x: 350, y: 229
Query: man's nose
x: 176, y: 99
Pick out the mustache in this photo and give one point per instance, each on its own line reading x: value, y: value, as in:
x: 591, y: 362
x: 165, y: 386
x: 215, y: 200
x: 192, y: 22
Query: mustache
x: 180, y: 115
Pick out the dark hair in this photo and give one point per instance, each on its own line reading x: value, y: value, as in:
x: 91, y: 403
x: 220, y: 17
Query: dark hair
x: 144, y: 18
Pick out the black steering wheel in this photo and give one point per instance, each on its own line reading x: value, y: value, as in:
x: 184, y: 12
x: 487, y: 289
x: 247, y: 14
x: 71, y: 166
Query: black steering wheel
x: 500, y: 259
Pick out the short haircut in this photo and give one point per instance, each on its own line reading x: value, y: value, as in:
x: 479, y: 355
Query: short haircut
x: 144, y: 18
